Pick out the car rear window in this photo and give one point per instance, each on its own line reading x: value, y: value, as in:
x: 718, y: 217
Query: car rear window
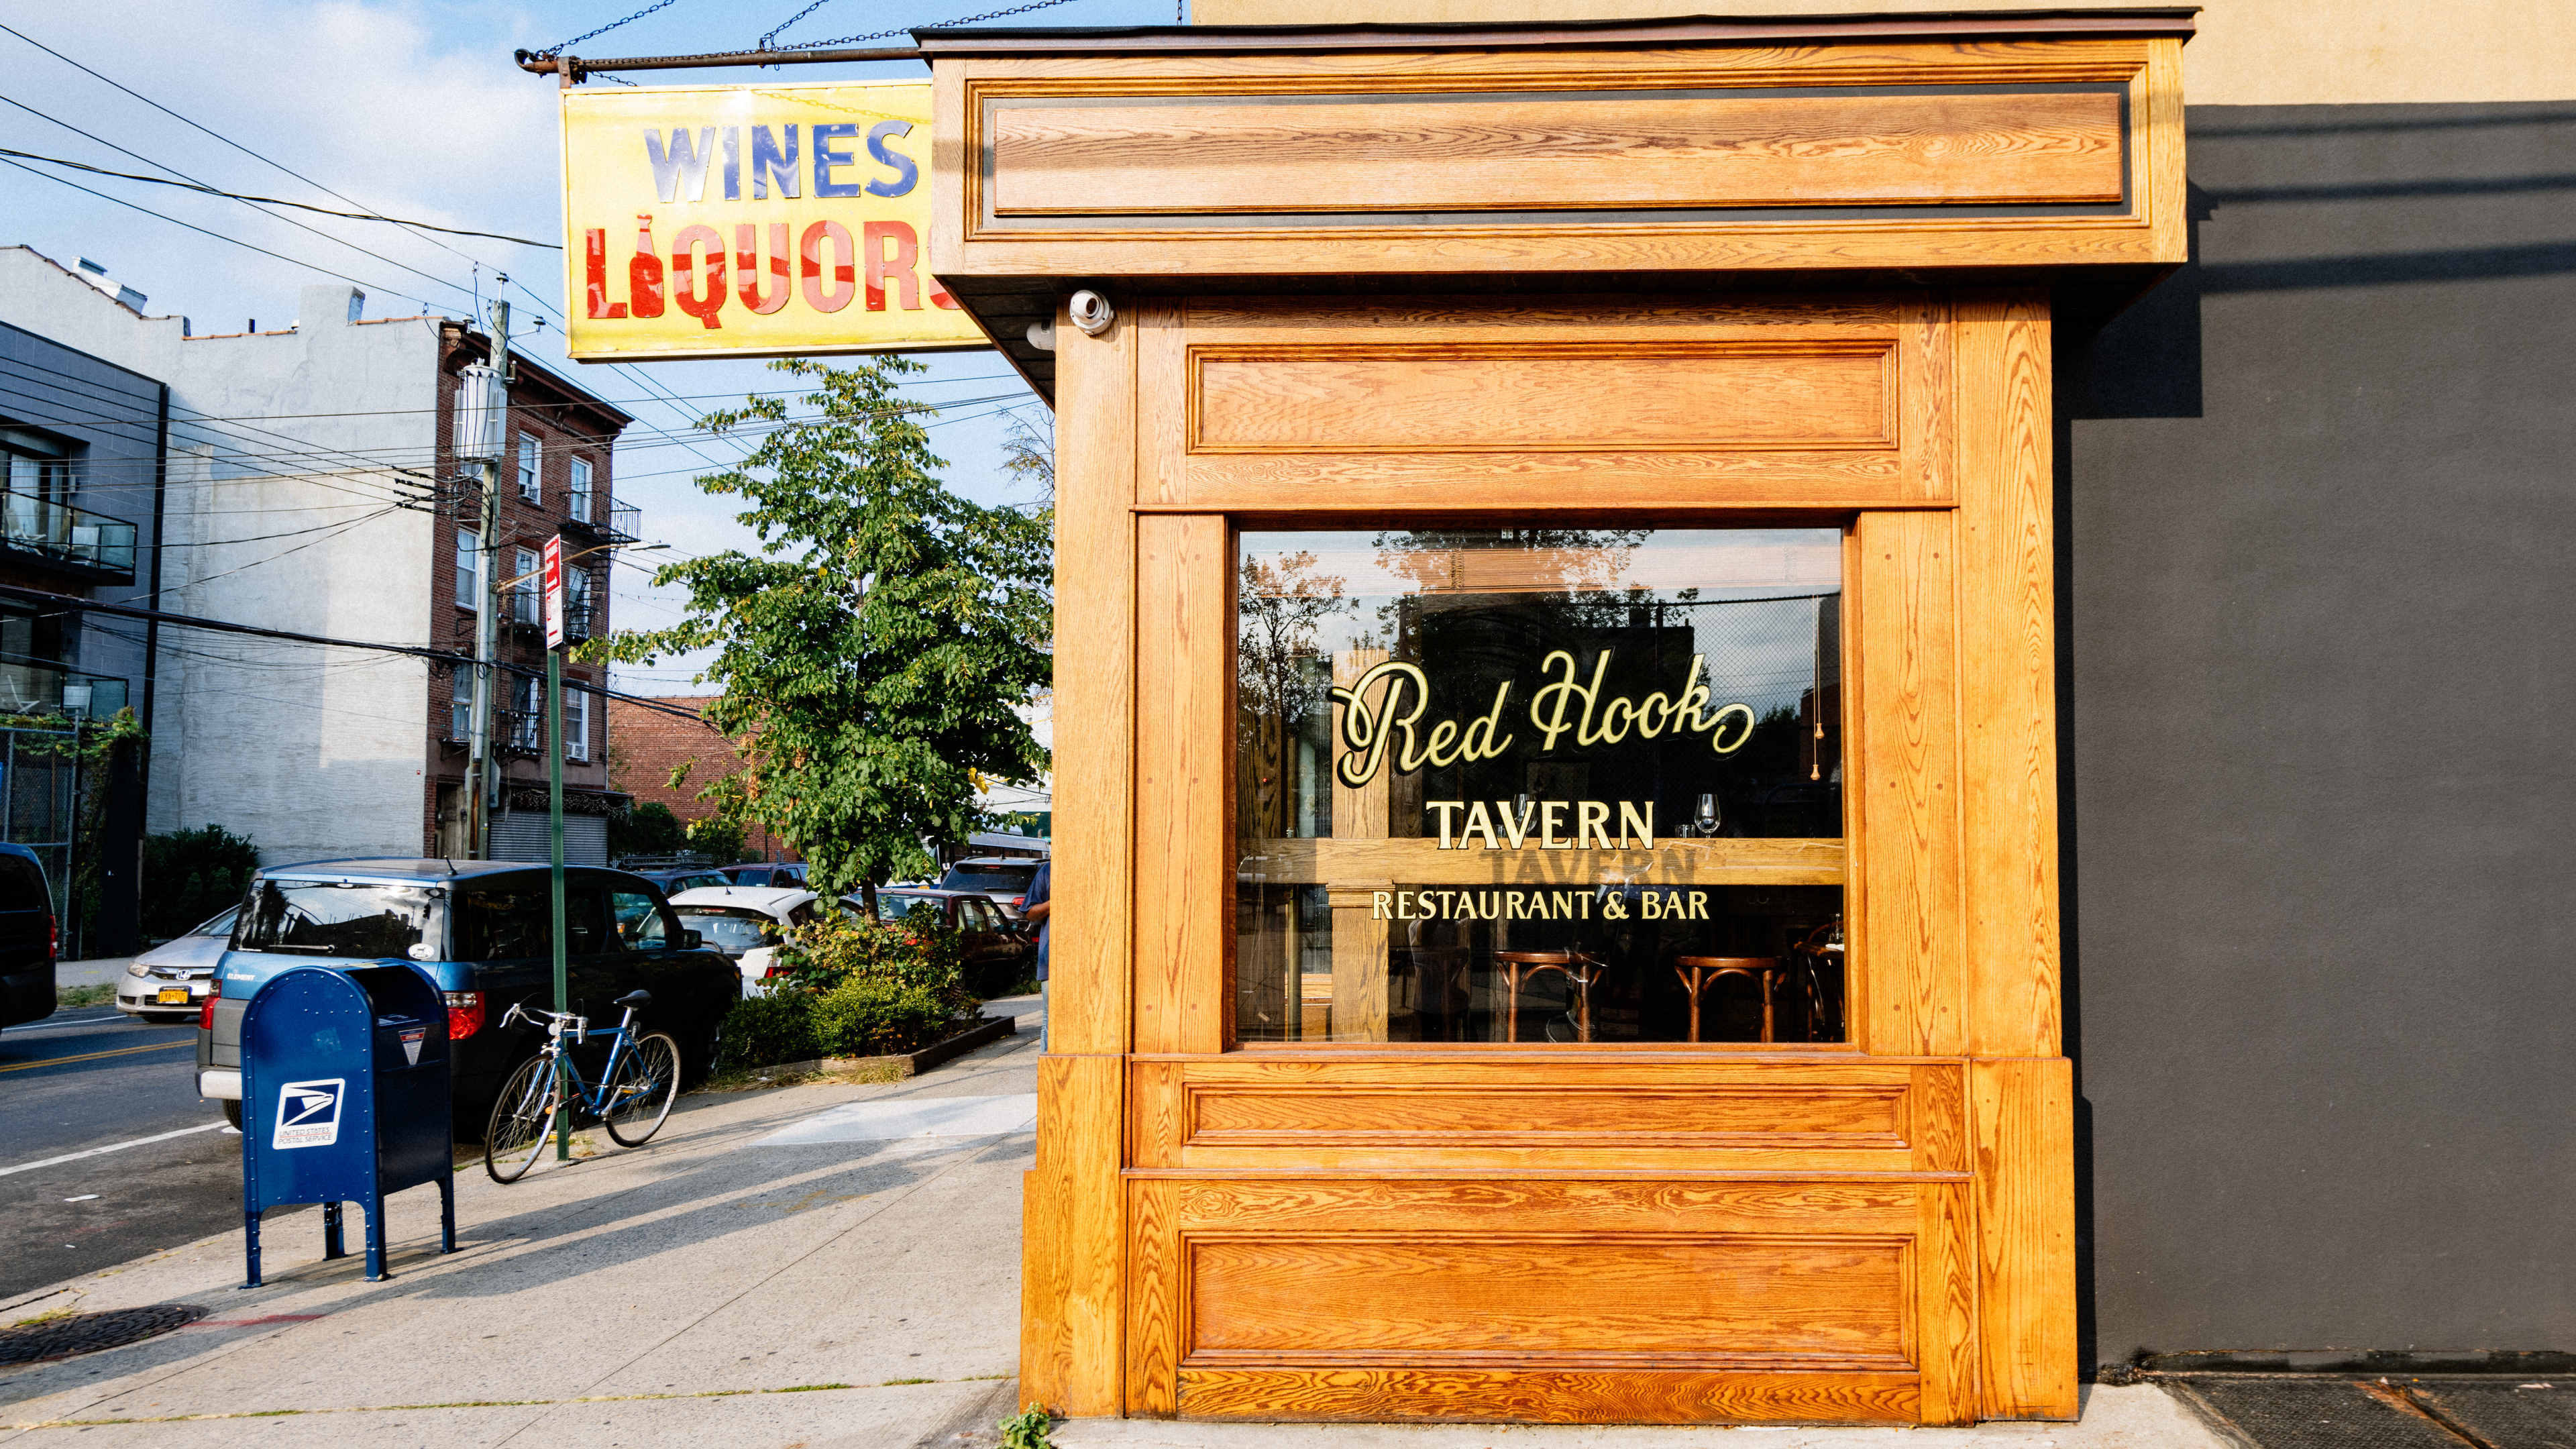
x: 333, y: 918
x: 730, y: 931
x: 895, y: 908
x: 1013, y: 879
x: 22, y: 885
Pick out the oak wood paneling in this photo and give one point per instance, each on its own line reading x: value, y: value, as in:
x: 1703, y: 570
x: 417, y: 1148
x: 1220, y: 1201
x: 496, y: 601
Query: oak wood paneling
x: 1946, y: 1302
x: 1091, y: 927
x: 1906, y: 730
x: 1631, y: 1112
x: 1073, y: 1299
x: 1589, y: 151
x: 1052, y: 100
x: 2007, y: 673
x: 1512, y: 1297
x: 2024, y: 1115
x: 1542, y: 397
x: 1184, y: 757
x: 1544, y: 1396
x: 1348, y: 408
x: 1440, y: 1205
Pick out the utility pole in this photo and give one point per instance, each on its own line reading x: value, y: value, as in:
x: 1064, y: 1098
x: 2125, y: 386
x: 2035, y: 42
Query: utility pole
x: 482, y: 770
x: 556, y: 636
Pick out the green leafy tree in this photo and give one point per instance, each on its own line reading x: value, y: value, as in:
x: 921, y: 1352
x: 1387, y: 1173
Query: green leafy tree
x: 874, y: 652
x: 648, y: 829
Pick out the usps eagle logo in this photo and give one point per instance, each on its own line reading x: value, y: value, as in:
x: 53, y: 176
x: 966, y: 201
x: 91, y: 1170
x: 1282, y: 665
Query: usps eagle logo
x: 308, y: 1113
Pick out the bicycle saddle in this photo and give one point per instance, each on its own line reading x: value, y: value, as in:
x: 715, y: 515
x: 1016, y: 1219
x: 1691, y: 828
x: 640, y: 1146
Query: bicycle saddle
x: 634, y: 998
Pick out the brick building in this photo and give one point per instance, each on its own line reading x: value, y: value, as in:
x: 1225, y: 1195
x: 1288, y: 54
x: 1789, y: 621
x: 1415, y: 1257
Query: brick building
x: 650, y: 744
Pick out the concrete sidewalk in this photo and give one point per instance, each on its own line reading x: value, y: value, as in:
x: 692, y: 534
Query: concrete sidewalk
x: 852, y: 1283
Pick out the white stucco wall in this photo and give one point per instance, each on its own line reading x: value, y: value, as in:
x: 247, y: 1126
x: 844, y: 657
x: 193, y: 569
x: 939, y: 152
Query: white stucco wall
x: 310, y: 752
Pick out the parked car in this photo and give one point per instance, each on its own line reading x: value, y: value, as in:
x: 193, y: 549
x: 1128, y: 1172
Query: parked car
x: 28, y: 938
x: 483, y: 930
x: 746, y: 923
x: 995, y: 955
x: 173, y: 979
x: 1002, y: 879
x: 674, y: 879
x: 786, y: 873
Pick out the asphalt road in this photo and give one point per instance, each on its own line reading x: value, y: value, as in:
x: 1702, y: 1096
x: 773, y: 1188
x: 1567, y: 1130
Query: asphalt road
x: 87, y: 1078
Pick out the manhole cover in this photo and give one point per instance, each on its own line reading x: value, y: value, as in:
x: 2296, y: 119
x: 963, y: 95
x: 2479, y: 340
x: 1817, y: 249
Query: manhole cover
x: 90, y: 1332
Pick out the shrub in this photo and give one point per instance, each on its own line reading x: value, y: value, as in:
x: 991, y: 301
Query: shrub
x: 870, y: 1017
x: 648, y: 829
x: 918, y: 951
x: 762, y: 1031
x: 189, y: 875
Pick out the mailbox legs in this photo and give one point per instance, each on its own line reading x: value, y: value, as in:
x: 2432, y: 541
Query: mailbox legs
x: 447, y: 1214
x: 333, y: 1245
x: 250, y: 1249
x: 375, y: 1239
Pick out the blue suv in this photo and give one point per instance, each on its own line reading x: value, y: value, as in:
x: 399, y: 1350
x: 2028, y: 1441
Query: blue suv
x: 483, y: 930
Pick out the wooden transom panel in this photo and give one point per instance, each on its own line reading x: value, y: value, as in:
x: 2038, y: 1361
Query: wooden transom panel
x: 1813, y: 1301
x: 1794, y: 402
x: 1567, y: 150
x: 1824, y: 394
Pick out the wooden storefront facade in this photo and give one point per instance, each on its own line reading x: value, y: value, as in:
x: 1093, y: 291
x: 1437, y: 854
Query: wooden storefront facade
x: 1594, y: 315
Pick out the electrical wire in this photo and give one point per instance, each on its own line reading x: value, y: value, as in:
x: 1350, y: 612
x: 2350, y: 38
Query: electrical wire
x: 206, y: 190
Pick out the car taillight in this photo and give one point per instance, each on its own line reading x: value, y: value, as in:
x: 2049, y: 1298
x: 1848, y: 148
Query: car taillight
x: 206, y: 1013
x: 464, y: 1014
x: 53, y: 940
x: 1018, y: 902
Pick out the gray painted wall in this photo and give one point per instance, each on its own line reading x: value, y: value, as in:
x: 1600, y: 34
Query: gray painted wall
x: 2318, y: 583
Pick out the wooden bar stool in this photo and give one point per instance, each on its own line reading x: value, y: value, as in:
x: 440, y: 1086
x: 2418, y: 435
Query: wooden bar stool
x: 1518, y: 967
x: 1699, y: 972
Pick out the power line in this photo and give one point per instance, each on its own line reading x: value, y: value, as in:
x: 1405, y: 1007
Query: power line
x: 202, y: 188
x: 74, y: 604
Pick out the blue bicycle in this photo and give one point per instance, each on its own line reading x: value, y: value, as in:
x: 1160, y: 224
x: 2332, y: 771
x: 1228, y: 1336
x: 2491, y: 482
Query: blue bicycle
x: 633, y: 1097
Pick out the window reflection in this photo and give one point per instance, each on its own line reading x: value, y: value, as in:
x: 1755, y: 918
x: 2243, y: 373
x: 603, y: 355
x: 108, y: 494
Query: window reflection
x: 1531, y: 786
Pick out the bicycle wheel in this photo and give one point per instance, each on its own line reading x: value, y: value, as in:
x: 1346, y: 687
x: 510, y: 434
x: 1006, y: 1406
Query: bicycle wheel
x: 522, y: 1117
x: 639, y: 1096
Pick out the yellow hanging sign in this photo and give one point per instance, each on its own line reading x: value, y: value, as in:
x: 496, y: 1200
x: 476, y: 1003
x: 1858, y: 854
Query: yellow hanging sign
x: 751, y: 221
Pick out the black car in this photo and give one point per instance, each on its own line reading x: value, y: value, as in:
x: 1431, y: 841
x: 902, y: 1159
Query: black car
x: 27, y: 940
x: 483, y: 932
x: 788, y: 874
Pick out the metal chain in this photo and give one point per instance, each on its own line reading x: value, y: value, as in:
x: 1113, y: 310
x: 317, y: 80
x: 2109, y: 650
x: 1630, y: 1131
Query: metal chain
x: 557, y: 49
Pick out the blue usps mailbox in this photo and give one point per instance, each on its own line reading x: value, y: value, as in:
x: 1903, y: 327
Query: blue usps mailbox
x: 344, y: 1099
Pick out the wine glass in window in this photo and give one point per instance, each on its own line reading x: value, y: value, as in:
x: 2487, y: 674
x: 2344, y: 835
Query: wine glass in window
x: 1707, y: 822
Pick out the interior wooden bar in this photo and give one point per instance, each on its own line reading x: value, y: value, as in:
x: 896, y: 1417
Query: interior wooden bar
x: 1687, y: 1053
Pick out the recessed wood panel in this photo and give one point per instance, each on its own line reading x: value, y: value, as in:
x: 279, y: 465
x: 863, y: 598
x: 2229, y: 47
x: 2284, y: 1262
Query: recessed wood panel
x: 1501, y: 398
x: 1845, y: 1116
x: 1658, y: 1300
x: 1549, y: 1396
x: 1550, y: 1205
x: 1353, y: 408
x: 1347, y: 1111
x: 1593, y: 151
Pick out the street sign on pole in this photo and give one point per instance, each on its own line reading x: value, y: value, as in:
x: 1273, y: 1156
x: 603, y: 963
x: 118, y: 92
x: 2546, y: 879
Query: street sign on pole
x: 554, y: 593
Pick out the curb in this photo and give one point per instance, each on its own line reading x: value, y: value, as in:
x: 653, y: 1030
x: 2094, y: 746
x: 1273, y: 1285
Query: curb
x: 991, y: 1029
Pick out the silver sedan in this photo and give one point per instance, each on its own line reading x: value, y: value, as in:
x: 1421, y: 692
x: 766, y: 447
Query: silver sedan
x: 172, y: 979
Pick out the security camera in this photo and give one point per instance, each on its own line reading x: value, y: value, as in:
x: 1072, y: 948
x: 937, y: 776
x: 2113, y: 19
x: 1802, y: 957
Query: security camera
x: 1092, y: 313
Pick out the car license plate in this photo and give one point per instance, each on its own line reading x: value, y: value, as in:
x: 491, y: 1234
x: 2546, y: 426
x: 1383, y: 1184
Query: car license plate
x: 172, y: 996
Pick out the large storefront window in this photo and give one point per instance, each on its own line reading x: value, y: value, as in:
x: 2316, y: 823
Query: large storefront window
x: 1539, y: 786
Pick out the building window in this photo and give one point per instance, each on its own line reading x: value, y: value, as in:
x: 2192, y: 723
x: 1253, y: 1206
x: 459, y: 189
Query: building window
x: 527, y: 593
x: 576, y: 722
x: 578, y: 592
x: 460, y: 703
x: 579, y: 504
x: 1578, y: 787
x: 531, y: 469
x: 469, y: 569
x: 528, y: 721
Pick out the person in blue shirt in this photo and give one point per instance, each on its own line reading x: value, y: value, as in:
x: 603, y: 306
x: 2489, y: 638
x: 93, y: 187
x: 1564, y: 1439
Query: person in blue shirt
x: 1035, y: 908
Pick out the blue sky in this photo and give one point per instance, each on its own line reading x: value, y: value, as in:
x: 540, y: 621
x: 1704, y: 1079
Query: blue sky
x: 416, y: 110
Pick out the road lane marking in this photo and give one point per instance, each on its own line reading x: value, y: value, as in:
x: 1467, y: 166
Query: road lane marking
x: 158, y: 1046
x: 111, y: 1147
